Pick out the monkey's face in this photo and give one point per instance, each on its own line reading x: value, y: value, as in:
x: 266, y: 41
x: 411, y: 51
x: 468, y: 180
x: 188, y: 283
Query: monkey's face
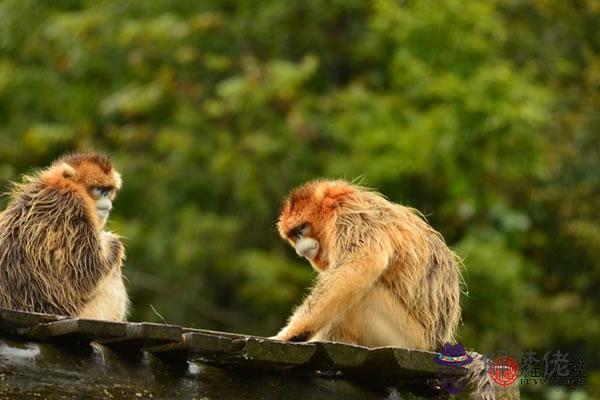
x: 298, y: 225
x: 93, y: 177
x: 305, y: 245
x: 304, y: 240
x: 103, y: 197
x: 307, y: 219
x: 101, y: 186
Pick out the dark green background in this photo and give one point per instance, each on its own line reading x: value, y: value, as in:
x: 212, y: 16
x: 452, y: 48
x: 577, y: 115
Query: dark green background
x: 482, y: 114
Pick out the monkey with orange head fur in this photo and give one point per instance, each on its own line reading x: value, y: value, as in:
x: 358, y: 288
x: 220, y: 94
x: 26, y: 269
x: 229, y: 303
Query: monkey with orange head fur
x: 55, y: 256
x: 386, y: 277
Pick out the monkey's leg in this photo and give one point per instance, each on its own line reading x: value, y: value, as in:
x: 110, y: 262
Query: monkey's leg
x: 378, y: 320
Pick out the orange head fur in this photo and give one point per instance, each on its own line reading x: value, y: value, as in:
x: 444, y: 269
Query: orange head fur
x: 314, y: 204
x: 81, y: 173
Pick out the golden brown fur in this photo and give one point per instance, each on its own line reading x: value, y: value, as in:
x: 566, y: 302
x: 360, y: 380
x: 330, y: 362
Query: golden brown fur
x: 386, y: 277
x: 54, y: 256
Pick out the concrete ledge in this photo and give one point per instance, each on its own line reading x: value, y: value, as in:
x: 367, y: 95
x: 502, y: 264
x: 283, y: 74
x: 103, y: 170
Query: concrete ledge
x: 58, y: 357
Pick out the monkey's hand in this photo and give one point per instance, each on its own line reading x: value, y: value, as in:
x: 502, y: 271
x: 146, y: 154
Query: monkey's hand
x: 288, y: 335
x: 113, y: 248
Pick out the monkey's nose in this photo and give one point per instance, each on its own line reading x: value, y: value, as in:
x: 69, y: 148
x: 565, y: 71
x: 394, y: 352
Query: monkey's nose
x: 307, y: 248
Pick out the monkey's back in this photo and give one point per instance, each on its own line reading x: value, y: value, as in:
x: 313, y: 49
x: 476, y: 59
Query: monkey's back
x: 429, y: 273
x: 424, y: 274
x: 49, y: 251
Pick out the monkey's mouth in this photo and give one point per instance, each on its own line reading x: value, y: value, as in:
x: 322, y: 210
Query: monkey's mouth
x: 310, y: 253
x: 103, y: 212
x: 307, y: 248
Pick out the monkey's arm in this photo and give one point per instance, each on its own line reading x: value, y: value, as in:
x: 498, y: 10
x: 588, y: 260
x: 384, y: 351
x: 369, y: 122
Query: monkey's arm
x: 112, y: 248
x: 335, y: 293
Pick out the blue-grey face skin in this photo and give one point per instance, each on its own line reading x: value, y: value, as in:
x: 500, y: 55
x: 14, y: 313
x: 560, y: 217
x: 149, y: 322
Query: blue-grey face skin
x: 306, y: 246
x: 103, y: 197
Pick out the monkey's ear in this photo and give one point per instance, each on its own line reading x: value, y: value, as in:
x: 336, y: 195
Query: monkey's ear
x: 118, y: 179
x: 67, y: 171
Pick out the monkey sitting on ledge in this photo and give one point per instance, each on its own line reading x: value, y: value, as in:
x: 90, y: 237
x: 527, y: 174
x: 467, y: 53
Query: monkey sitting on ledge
x: 386, y: 277
x: 55, y: 257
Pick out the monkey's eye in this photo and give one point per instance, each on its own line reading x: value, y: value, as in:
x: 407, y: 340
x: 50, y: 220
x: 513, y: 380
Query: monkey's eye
x: 100, y: 191
x: 304, y: 229
x: 96, y: 192
x: 300, y: 231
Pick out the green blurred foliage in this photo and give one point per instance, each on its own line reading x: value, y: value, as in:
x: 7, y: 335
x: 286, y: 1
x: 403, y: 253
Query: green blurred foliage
x: 484, y: 115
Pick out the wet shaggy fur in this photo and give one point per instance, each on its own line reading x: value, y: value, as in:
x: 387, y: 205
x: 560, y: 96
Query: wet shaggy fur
x: 390, y: 249
x: 52, y: 251
x: 386, y: 277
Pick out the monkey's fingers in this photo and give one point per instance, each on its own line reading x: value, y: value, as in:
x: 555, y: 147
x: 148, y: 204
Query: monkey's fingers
x: 292, y: 337
x: 300, y: 337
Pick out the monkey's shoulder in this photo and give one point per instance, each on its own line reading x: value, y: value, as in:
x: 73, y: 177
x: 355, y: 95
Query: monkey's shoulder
x: 49, y: 218
x: 43, y: 198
